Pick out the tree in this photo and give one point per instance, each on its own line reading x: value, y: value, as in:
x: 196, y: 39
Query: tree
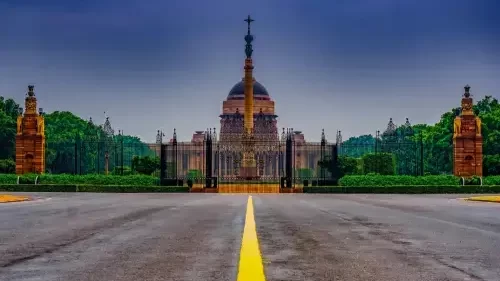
x: 345, y: 166
x: 379, y: 163
x: 145, y: 165
x: 9, y: 110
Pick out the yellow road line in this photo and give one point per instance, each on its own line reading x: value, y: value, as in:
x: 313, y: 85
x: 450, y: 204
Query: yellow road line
x: 493, y: 199
x: 6, y: 198
x: 250, y: 266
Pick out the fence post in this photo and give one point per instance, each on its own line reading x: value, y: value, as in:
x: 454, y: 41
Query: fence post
x: 174, y: 151
x: 163, y: 162
x: 323, y: 157
x: 377, y: 160
x: 208, y: 159
x: 288, y: 160
x: 76, y: 156
x: 335, y: 164
x: 421, y: 154
x: 122, y: 154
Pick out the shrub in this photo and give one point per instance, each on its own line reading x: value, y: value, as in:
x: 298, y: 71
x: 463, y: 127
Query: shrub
x: 378, y: 180
x: 89, y: 188
x: 145, y: 165
x: 95, y: 179
x: 348, y: 166
x: 38, y: 188
x: 380, y: 163
x: 407, y: 189
x: 130, y: 188
x: 8, y: 179
x: 7, y: 166
x: 127, y: 171
x: 491, y: 180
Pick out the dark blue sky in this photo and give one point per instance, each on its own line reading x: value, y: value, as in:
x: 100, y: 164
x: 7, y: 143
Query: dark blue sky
x: 340, y: 65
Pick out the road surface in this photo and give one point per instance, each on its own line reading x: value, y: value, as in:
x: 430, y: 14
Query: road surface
x: 199, y: 237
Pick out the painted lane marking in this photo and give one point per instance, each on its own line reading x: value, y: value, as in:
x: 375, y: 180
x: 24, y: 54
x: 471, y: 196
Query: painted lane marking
x: 250, y: 266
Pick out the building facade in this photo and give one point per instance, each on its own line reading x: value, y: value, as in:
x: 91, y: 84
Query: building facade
x: 467, y: 140
x: 30, y: 137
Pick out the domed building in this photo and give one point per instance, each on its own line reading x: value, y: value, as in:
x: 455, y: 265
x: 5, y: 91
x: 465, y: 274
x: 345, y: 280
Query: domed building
x: 233, y: 109
x: 222, y: 154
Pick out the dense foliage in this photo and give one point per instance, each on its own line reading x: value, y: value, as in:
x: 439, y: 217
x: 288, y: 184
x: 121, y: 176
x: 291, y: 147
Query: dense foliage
x: 141, y: 180
x: 9, y: 111
x: 74, y: 145
x: 379, y: 180
x: 146, y: 165
x: 437, y: 139
x: 381, y: 163
x: 430, y: 145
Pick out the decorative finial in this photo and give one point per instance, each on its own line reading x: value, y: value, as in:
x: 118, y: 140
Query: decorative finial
x: 107, y: 128
x: 31, y: 90
x: 249, y: 39
x: 249, y: 20
x: 467, y: 91
x: 391, y: 128
x: 339, y: 137
x: 407, y: 124
x: 408, y: 128
x: 158, y: 137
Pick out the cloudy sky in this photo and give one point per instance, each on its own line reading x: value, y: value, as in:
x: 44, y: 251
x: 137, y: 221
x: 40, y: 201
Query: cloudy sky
x: 344, y: 65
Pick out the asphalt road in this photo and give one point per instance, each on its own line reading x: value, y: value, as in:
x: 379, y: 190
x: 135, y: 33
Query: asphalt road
x: 198, y: 237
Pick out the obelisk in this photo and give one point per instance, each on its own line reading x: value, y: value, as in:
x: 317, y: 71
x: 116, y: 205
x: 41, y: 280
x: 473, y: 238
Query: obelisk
x: 249, y: 167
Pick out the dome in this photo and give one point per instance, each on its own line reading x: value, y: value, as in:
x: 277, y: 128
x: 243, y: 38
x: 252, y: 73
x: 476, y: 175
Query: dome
x: 238, y: 91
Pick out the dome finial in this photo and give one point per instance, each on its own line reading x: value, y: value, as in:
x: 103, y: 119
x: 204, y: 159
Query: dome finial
x: 467, y: 91
x: 249, y: 38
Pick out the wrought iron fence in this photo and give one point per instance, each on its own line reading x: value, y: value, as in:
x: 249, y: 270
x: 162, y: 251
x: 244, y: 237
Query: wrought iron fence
x: 296, y: 160
x: 94, y: 157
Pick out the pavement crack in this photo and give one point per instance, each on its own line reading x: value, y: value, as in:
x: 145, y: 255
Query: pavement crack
x: 463, y: 271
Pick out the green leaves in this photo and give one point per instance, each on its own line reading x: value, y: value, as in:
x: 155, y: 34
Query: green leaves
x: 8, y: 119
x: 380, y: 180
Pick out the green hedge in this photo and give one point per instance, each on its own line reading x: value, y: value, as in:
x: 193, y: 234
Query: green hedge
x: 379, y: 180
x: 8, y: 179
x: 405, y: 189
x: 491, y: 180
x: 92, y: 179
x: 38, y: 188
x: 382, y: 163
x: 90, y: 188
x: 130, y: 188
